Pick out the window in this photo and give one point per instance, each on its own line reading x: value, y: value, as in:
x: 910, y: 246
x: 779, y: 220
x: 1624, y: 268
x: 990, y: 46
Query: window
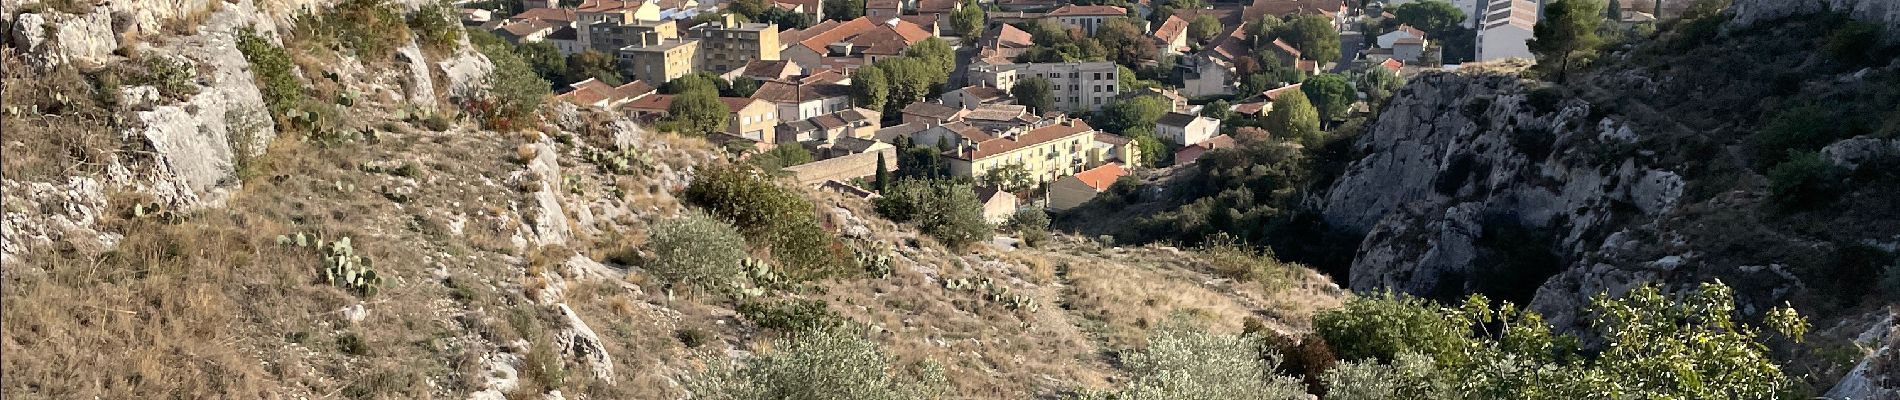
x: 1098, y: 76
x: 1098, y: 101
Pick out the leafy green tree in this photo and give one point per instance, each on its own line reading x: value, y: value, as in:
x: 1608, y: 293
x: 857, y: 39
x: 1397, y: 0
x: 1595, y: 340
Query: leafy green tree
x: 1218, y: 109
x: 783, y: 156
x: 692, y: 83
x: 1385, y: 326
x: 820, y: 365
x: 911, y: 79
x: 749, y: 8
x: 742, y: 86
x: 1013, y: 178
x: 1184, y: 362
x: 1204, y: 27
x: 546, y: 61
x: 1408, y: 376
x: 515, y: 93
x: 1264, y: 29
x: 843, y: 10
x: 1137, y: 113
x: 1804, y: 181
x: 1435, y: 17
x: 1800, y: 128
x: 1567, y: 34
x: 696, y: 250
x: 1379, y: 84
x: 1331, y: 95
x: 870, y: 88
x: 936, y: 53
x: 593, y: 64
x: 1314, y: 36
x: 946, y: 210
x: 1125, y: 43
x: 1294, y: 118
x: 968, y: 21
x: 786, y: 19
x: 1036, y: 93
x: 699, y: 113
x: 883, y: 174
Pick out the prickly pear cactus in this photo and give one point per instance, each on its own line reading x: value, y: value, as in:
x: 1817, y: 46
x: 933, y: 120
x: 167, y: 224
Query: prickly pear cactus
x: 341, y: 265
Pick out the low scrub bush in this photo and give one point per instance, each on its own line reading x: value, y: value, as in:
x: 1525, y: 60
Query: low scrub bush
x: 1032, y: 224
x: 369, y: 29
x: 943, y: 209
x: 174, y: 79
x: 820, y: 366
x: 436, y: 28
x: 1184, y: 362
x: 794, y: 317
x: 696, y: 251
x: 1804, y: 181
x: 1238, y: 261
x: 771, y: 216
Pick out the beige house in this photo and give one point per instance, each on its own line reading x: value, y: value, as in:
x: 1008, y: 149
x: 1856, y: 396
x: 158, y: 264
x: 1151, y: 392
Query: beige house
x: 1184, y: 129
x: 1048, y: 152
x: 1171, y: 36
x: 1072, y: 191
x: 660, y: 61
x: 998, y: 205
x: 1086, y: 18
x: 752, y: 119
x: 1113, y: 148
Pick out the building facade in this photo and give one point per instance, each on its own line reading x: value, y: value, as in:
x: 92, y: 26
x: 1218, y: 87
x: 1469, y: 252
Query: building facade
x: 1079, y: 86
x: 727, y: 45
x: 662, y: 61
x: 1505, y: 29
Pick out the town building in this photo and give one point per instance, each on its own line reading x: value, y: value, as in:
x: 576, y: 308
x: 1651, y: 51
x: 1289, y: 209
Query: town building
x: 1000, y: 117
x: 998, y: 205
x: 850, y: 44
x: 1086, y: 18
x: 594, y: 93
x: 799, y: 101
x: 660, y: 61
x: 853, y: 122
x: 1184, y: 129
x: 931, y: 112
x: 753, y: 119
x: 1047, y: 152
x: 971, y: 97
x: 727, y: 45
x: 1171, y: 36
x: 1191, y: 153
x: 1071, y: 191
x: 1083, y: 86
x: 1505, y: 30
x: 1113, y: 148
x: 611, y: 37
x: 1334, y: 10
x: 767, y: 70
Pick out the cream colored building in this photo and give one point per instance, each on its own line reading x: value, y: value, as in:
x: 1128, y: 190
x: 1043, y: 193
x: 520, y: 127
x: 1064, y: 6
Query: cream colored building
x: 727, y: 45
x: 752, y: 119
x: 1048, y: 152
x: 660, y: 61
x: 1083, y: 86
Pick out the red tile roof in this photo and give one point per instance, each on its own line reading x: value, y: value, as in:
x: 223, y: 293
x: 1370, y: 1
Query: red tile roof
x: 1392, y: 64
x: 588, y: 92
x: 787, y: 92
x: 1101, y: 177
x: 551, y: 14
x: 1274, y: 94
x: 873, y: 37
x: 1281, y: 8
x: 1033, y: 137
x: 937, y: 6
x: 1170, y: 28
x: 734, y: 104
x: 1072, y: 10
x: 1408, y: 29
x: 768, y: 68
x: 658, y: 102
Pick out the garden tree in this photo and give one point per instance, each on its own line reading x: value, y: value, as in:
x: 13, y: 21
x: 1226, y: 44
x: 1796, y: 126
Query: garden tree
x: 1294, y: 118
x: 1186, y: 362
x: 516, y: 94
x: 698, y: 113
x: 1240, y: 192
x: 1804, y: 181
x: 1657, y: 346
x: 870, y: 88
x: 1124, y: 43
x: 967, y: 21
x: 1567, y: 34
x: 1137, y: 113
x: 1264, y: 29
x: 1012, y: 177
x: 742, y: 86
x: 1218, y: 109
x: 547, y: 62
x: 821, y: 364
x: 920, y: 162
x: 944, y: 209
x: 690, y: 83
x: 1032, y: 224
x: 883, y: 173
x: 1615, y: 12
x: 769, y: 216
x: 1035, y: 93
x: 1204, y: 27
x: 1331, y: 95
x: 749, y: 8
x: 936, y: 53
x: 1314, y: 37
x: 696, y: 251
x: 843, y: 10
x: 1435, y: 17
x: 1379, y: 85
x: 593, y: 64
x: 780, y: 157
x: 911, y: 80
x: 786, y: 19
x: 1152, y: 151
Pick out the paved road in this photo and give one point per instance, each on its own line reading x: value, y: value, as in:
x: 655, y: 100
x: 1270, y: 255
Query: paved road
x: 1350, y: 43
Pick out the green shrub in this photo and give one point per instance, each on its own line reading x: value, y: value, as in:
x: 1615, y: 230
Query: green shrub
x: 1804, y: 181
x: 696, y: 251
x: 515, y: 93
x: 1184, y: 362
x: 943, y: 209
x: 1409, y: 376
x: 1240, y: 262
x: 771, y: 216
x: 782, y: 156
x: 819, y: 366
x: 1854, y: 42
x: 436, y: 28
x: 369, y: 29
x: 1384, y: 326
x: 1032, y: 224
x: 1890, y: 283
x: 276, y: 77
x: 1803, y: 128
x: 173, y: 79
x: 692, y: 337
x: 795, y: 317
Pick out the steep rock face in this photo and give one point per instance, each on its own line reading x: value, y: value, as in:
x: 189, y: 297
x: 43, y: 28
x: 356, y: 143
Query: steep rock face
x: 196, y: 142
x: 55, y: 38
x: 1884, y: 12
x: 1455, y: 154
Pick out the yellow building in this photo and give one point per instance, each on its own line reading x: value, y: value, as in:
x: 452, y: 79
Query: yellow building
x: 1048, y: 152
x: 660, y: 61
x: 752, y: 119
x: 727, y: 45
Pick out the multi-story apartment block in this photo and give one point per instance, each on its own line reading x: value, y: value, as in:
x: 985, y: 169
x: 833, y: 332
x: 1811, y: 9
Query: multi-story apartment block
x: 1049, y: 152
x: 661, y: 60
x: 1085, y: 86
x: 727, y: 45
x: 611, y: 12
x: 1086, y: 18
x: 1505, y: 29
x: 611, y: 37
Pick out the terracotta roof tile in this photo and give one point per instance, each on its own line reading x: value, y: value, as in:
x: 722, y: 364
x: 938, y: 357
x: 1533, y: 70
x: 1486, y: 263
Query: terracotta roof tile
x: 1288, y: 7
x: 1036, y: 136
x: 551, y: 14
x: 658, y: 102
x: 1101, y: 177
x: 1170, y: 28
x: 1072, y: 10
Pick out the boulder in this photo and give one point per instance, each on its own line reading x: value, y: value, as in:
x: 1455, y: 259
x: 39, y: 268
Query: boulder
x: 578, y: 341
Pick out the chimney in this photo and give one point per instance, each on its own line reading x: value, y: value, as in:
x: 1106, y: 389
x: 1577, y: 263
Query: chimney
x: 649, y: 38
x: 729, y: 21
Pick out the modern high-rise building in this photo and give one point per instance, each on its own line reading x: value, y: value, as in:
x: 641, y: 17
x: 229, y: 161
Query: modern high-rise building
x: 727, y: 45
x: 1505, y: 29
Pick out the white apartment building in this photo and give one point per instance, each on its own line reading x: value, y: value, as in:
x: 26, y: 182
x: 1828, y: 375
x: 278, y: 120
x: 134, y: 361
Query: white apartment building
x: 1084, y: 86
x: 1505, y: 29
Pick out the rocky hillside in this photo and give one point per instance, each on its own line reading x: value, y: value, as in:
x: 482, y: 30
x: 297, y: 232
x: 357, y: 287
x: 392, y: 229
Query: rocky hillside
x: 168, y: 231
x: 1659, y: 164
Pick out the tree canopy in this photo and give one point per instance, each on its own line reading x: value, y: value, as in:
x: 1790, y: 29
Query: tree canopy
x: 1035, y: 93
x: 968, y: 21
x: 1432, y: 16
x: 1331, y: 95
x: 1314, y: 36
x: 870, y: 88
x: 1294, y: 118
x: 1567, y: 34
x: 1204, y: 27
x: 698, y: 112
